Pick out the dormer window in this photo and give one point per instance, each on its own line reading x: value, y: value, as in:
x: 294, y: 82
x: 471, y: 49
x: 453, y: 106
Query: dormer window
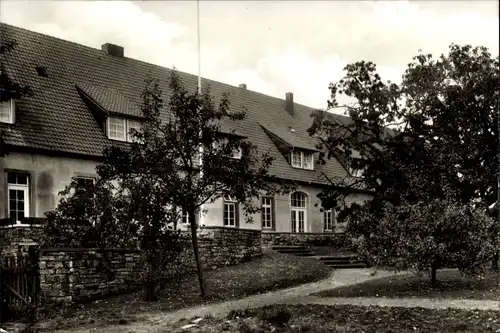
x: 120, y: 128
x: 7, y: 111
x: 236, y: 153
x: 302, y: 160
x: 358, y: 173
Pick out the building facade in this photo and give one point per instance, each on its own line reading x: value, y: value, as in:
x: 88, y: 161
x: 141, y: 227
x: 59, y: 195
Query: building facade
x: 85, y: 99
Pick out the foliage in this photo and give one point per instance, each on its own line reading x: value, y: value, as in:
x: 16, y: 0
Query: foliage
x: 91, y: 216
x: 425, y: 236
x: 443, y: 115
x: 432, y: 137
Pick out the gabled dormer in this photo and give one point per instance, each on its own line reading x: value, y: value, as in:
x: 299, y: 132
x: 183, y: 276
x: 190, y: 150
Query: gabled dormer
x: 298, y: 151
x: 116, y: 115
x: 7, y: 111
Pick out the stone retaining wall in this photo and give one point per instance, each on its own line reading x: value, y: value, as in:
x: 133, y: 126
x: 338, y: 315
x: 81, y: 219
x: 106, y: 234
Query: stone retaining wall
x: 81, y: 274
x: 335, y: 240
x: 18, y: 238
x: 78, y: 274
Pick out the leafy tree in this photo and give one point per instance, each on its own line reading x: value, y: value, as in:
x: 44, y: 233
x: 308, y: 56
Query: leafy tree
x: 163, y: 164
x: 90, y: 216
x: 434, y: 136
x: 425, y: 237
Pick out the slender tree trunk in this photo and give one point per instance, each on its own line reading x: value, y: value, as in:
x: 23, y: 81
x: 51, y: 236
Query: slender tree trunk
x: 194, y: 238
x: 434, y: 276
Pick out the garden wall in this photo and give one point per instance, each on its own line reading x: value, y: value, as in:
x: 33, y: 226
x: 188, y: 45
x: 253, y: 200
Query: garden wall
x: 14, y: 238
x: 79, y: 274
x: 336, y: 240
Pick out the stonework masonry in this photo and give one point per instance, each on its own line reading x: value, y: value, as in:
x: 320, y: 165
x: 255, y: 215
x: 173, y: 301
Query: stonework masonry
x: 80, y: 274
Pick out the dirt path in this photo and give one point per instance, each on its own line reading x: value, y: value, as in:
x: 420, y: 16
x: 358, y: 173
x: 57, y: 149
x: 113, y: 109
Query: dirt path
x: 159, y: 322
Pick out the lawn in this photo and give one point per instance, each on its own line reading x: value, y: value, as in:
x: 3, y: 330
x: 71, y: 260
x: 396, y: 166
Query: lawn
x: 347, y: 319
x: 271, y: 272
x: 451, y: 284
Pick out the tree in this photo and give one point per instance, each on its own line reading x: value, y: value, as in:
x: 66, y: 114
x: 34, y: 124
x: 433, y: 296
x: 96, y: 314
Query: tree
x: 432, y: 137
x: 90, y: 216
x: 182, y: 156
x: 425, y: 237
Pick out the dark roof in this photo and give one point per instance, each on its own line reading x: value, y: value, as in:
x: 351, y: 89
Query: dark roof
x: 290, y: 137
x: 56, y: 117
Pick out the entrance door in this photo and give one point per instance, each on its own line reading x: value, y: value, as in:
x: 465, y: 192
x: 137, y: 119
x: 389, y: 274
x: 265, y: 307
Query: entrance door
x: 298, y: 220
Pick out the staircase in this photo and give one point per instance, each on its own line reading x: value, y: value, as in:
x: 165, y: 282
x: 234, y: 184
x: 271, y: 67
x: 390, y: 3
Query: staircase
x: 298, y: 250
x: 343, y: 261
x: 334, y: 261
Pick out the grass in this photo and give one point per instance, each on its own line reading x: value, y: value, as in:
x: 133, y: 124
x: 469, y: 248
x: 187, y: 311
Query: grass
x: 349, y: 319
x: 271, y: 272
x: 451, y: 284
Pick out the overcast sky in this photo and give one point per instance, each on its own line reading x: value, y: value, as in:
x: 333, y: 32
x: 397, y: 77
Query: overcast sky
x: 273, y: 46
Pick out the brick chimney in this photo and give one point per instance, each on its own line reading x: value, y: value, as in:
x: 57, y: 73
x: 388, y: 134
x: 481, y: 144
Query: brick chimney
x: 243, y: 86
x: 112, y: 49
x: 289, y: 103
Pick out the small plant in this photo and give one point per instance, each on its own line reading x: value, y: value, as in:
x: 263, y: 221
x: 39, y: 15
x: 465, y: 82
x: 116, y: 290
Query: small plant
x: 278, y: 317
x: 238, y: 313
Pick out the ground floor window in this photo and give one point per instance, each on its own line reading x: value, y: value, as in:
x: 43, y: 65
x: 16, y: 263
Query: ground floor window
x: 298, y: 202
x: 230, y: 211
x: 267, y: 212
x: 328, y: 219
x: 18, y: 196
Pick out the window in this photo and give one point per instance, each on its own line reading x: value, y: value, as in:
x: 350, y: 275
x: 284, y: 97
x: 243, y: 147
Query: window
x: 7, y: 111
x: 355, y: 172
x: 18, y: 196
x: 328, y: 219
x: 83, y: 182
x: 298, y: 213
x: 120, y: 128
x: 302, y: 160
x: 236, y: 153
x: 132, y: 124
x: 230, y: 211
x: 184, y: 217
x: 267, y: 212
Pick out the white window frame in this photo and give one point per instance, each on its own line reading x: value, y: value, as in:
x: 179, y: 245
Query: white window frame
x: 303, y: 156
x: 229, y: 202
x: 295, y: 212
x: 267, y: 208
x: 19, y: 187
x: 328, y: 220
x: 136, y: 125
x: 10, y: 109
x: 184, y: 217
x: 127, y: 137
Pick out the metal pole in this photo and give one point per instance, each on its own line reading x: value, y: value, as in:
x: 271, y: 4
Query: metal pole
x: 200, y: 223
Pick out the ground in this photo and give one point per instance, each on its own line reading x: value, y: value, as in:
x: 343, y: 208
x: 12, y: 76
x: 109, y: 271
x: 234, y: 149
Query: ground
x: 346, y: 318
x: 451, y: 285
x: 271, y: 272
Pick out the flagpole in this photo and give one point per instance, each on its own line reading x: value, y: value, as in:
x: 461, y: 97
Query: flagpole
x: 200, y: 223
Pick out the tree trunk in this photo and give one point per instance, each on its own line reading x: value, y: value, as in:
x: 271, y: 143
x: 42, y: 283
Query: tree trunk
x: 194, y: 238
x: 433, y: 276
x: 494, y: 262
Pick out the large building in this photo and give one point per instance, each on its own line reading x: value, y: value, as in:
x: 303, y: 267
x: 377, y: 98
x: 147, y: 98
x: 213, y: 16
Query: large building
x: 85, y: 99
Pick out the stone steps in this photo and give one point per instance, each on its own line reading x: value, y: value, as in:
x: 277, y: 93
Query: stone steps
x: 335, y: 261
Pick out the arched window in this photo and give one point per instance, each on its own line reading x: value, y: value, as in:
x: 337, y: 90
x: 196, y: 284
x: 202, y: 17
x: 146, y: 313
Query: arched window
x: 298, y: 213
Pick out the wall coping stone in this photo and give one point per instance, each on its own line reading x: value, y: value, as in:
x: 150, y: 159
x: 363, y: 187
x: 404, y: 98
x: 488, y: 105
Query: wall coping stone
x: 99, y: 250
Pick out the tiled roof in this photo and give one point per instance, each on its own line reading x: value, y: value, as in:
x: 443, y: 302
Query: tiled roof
x: 291, y: 137
x: 56, y: 117
x: 111, y: 100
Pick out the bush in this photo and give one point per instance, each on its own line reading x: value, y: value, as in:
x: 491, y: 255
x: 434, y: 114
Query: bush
x: 425, y: 237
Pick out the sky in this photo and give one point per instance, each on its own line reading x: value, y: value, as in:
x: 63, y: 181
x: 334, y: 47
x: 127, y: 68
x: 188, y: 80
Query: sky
x: 273, y: 47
